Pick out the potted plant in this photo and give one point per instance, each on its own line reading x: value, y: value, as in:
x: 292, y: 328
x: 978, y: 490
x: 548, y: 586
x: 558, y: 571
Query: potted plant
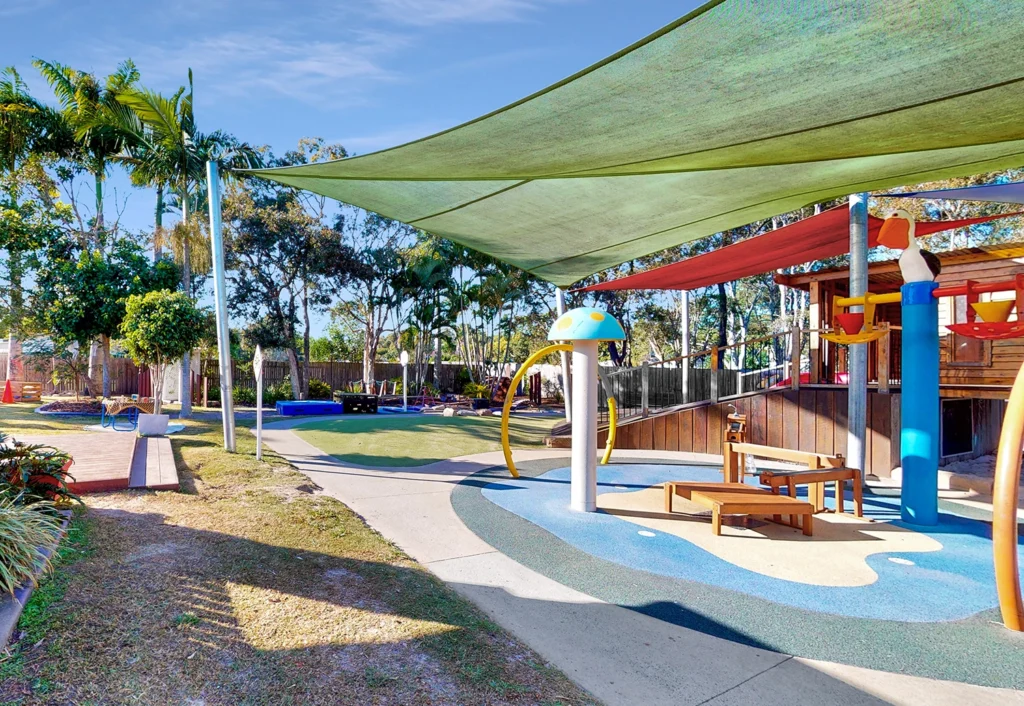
x: 480, y: 395
x: 158, y: 328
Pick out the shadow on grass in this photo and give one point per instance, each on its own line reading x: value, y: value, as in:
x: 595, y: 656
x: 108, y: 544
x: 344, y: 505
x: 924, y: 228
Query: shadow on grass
x: 178, y: 613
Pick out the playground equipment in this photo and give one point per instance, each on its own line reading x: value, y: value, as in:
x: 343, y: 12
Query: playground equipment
x: 584, y: 327
x: 1005, y: 496
x: 858, y: 327
x: 994, y: 324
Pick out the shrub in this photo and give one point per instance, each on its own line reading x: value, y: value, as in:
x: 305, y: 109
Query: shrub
x: 244, y: 396
x: 319, y: 390
x: 282, y: 391
x: 26, y: 531
x: 31, y: 473
x: 475, y: 389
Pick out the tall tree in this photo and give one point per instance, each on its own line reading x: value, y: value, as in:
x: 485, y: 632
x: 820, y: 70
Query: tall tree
x: 277, y: 253
x: 170, y: 152
x: 84, y: 101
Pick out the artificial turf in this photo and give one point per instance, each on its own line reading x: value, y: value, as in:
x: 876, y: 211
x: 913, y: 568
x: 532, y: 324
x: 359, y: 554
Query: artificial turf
x: 416, y: 440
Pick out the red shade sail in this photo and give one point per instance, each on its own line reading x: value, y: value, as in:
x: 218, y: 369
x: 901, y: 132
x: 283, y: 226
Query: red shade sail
x: 814, y: 238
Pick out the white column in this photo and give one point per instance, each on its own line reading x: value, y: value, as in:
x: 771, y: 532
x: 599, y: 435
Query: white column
x: 220, y: 298
x: 856, y: 417
x: 583, y: 493
x: 566, y: 382
x: 684, y: 325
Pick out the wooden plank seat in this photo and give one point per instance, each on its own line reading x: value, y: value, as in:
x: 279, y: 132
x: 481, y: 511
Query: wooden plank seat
x: 815, y: 480
x: 31, y: 392
x: 731, y: 502
x: 685, y: 488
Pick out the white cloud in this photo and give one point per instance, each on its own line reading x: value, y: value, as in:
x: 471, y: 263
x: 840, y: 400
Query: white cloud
x: 236, y: 64
x: 10, y: 8
x: 432, y: 12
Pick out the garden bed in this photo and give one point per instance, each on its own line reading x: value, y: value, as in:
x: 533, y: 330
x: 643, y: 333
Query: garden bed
x: 72, y: 409
x: 11, y: 606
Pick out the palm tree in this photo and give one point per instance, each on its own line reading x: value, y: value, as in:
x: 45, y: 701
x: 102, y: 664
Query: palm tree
x: 83, y: 105
x: 168, y: 151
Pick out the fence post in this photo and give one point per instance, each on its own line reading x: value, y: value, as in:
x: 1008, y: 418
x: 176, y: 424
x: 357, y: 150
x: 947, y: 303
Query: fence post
x: 882, y: 351
x: 795, y: 352
x: 714, y: 373
x: 645, y: 387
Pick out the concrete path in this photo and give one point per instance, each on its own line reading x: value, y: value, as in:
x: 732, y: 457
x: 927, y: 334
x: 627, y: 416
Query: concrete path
x: 618, y: 655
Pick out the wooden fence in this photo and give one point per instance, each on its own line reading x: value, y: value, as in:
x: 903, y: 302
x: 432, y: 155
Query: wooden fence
x: 124, y: 375
x: 340, y: 375
x: 811, y: 419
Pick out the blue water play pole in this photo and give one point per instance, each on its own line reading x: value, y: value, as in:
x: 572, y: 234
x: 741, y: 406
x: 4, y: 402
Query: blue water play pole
x: 919, y: 404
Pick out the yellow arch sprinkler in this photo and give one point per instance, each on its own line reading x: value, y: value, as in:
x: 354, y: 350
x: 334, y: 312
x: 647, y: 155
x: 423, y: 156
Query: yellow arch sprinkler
x: 583, y: 328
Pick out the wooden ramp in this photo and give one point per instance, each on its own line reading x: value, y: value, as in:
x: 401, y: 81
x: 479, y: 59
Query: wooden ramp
x: 153, y: 464
x: 106, y: 461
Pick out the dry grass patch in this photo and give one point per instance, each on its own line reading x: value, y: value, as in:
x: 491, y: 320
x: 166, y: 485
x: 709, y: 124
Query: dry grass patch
x: 252, y: 588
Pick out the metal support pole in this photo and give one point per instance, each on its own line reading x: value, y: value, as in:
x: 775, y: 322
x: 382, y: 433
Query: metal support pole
x: 583, y: 474
x: 566, y: 381
x: 684, y: 325
x: 220, y: 299
x: 858, y: 362
x: 645, y: 389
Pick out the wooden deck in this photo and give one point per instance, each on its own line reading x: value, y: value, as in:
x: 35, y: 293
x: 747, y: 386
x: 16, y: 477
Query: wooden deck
x: 104, y: 460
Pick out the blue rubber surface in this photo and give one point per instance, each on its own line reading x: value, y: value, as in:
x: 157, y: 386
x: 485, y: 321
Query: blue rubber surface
x: 295, y: 408
x: 950, y: 584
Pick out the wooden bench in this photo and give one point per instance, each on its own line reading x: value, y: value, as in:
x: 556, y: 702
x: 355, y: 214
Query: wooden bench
x: 815, y: 480
x: 31, y: 392
x: 685, y: 488
x: 730, y: 502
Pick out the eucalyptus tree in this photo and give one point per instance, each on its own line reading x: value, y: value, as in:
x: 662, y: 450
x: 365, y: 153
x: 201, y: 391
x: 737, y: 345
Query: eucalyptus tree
x: 84, y: 102
x: 168, y: 151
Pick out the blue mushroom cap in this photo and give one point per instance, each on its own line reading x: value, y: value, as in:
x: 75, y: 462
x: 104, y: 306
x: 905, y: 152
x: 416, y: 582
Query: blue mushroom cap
x: 586, y: 324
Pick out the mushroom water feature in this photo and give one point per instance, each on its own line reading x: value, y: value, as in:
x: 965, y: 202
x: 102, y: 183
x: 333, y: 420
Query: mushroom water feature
x: 584, y: 328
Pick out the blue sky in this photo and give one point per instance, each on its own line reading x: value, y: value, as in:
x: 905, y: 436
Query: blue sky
x: 369, y: 74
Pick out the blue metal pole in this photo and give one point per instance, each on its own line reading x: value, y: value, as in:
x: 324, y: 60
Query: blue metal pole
x: 919, y: 405
x: 220, y: 298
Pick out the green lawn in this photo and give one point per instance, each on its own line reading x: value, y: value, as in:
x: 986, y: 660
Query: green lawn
x: 251, y: 587
x: 416, y: 440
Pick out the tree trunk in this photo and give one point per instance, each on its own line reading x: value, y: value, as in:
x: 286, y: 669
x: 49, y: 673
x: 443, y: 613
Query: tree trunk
x: 185, y: 385
x: 305, y: 341
x: 156, y: 373
x: 158, y: 229
x: 99, y: 203
x: 723, y: 313
x: 105, y: 356
x: 293, y: 368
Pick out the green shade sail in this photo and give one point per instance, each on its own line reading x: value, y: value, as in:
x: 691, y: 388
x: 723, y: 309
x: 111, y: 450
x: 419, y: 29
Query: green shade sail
x: 739, y: 111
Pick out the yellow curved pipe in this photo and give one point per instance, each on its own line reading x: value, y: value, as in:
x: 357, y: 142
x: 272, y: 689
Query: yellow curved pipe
x: 510, y: 395
x: 610, y: 446
x: 1005, y: 492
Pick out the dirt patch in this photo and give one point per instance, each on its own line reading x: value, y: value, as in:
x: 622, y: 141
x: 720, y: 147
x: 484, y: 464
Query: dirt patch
x: 90, y: 407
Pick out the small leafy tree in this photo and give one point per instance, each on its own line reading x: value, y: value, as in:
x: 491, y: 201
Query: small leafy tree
x: 160, y: 327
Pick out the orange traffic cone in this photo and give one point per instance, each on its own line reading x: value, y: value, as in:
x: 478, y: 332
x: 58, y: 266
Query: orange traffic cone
x: 8, y: 397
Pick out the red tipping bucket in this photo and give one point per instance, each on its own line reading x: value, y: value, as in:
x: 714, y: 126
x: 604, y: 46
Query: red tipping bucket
x: 850, y: 322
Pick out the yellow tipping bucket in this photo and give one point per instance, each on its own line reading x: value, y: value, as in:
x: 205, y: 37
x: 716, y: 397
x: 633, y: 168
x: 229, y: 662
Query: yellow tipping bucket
x: 993, y: 312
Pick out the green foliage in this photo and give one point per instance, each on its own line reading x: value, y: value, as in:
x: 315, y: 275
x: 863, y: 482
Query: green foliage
x: 161, y: 326
x: 80, y: 299
x: 33, y: 473
x: 26, y: 531
x: 319, y: 390
x: 242, y: 396
x: 281, y: 392
x: 475, y: 389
